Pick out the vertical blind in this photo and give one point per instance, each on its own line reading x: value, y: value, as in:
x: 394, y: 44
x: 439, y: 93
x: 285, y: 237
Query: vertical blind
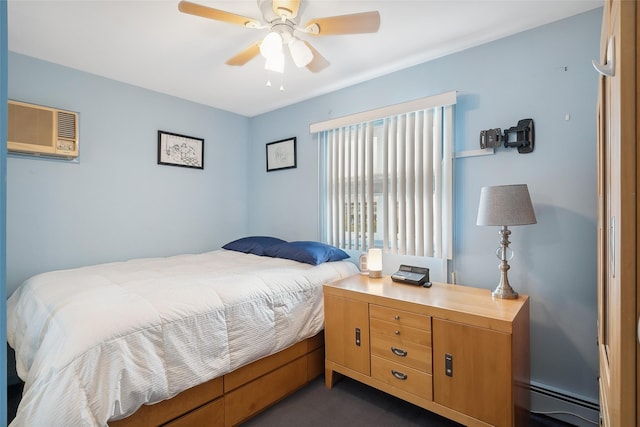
x: 387, y: 181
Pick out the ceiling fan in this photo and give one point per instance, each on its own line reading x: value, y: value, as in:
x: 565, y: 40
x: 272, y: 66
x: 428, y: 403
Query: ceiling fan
x: 279, y: 16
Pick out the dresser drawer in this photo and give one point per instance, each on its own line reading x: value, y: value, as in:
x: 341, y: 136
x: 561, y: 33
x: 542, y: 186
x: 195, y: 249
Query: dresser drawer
x: 402, y: 377
x: 400, y: 317
x: 407, y: 353
x: 400, y: 333
x: 211, y: 414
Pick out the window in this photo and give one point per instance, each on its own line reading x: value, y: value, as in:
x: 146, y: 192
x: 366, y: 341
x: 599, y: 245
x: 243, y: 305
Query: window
x: 386, y: 178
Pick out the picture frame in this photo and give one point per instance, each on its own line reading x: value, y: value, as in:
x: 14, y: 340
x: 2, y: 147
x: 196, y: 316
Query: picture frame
x: 180, y: 150
x: 281, y: 154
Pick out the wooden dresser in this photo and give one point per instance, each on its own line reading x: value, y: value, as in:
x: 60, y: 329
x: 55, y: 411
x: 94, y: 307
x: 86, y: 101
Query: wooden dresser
x: 451, y: 349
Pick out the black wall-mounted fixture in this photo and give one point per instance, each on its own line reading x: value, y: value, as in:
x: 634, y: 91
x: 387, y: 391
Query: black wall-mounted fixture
x: 520, y: 136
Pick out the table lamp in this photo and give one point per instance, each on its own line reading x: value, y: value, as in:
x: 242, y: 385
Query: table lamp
x: 374, y: 261
x: 505, y: 205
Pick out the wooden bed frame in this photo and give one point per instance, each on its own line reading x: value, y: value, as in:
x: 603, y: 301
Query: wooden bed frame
x: 239, y: 395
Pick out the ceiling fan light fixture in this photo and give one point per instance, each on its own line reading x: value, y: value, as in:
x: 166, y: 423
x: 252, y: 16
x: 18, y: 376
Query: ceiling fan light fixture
x: 275, y: 63
x: 271, y: 45
x: 300, y: 52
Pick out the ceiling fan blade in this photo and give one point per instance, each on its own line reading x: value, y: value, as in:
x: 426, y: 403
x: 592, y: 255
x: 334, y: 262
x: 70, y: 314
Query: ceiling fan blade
x: 217, y: 14
x: 318, y: 63
x: 288, y: 8
x: 365, y: 22
x: 245, y: 56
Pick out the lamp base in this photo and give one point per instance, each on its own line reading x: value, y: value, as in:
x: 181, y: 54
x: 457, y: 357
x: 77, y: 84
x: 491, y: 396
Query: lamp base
x: 504, y: 289
x: 504, y: 293
x: 375, y: 274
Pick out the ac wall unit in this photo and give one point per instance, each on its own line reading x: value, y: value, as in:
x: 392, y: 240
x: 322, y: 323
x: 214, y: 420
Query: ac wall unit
x: 34, y: 129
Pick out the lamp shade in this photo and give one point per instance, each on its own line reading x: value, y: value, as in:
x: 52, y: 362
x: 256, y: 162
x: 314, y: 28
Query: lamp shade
x: 271, y: 45
x: 505, y: 205
x: 300, y: 52
x: 275, y: 63
x: 374, y: 261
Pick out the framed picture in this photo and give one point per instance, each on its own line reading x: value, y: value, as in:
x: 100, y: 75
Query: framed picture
x: 281, y: 154
x: 180, y: 150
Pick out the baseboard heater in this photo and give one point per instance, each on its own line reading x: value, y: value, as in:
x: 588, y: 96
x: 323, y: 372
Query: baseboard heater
x: 562, y: 406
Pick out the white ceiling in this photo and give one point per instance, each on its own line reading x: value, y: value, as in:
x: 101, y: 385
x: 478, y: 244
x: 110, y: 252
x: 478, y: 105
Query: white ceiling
x: 150, y: 44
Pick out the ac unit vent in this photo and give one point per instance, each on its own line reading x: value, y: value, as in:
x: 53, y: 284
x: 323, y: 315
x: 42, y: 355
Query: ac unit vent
x: 66, y: 125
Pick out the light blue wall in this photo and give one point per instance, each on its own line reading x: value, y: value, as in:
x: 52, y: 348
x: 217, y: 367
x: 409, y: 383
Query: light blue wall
x: 3, y: 207
x: 117, y: 203
x: 544, y: 74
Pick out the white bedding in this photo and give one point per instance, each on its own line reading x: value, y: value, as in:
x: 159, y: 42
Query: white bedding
x: 95, y: 343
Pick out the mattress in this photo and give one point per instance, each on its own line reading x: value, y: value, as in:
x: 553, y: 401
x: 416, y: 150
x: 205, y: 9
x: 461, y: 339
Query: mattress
x: 95, y: 343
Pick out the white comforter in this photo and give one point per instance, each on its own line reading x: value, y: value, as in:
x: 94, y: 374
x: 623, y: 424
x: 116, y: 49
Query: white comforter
x: 95, y: 343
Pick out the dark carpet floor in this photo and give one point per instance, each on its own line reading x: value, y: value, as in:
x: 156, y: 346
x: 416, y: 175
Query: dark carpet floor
x: 352, y: 404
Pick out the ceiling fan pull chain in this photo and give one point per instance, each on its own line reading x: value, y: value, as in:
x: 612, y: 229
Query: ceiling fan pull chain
x: 268, y: 78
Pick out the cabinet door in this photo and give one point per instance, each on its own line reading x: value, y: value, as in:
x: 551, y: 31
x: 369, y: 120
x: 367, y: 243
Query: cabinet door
x: 346, y: 330
x: 472, y: 371
x: 617, y: 219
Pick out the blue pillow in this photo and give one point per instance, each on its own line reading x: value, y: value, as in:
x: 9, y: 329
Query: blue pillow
x: 253, y: 244
x: 313, y: 253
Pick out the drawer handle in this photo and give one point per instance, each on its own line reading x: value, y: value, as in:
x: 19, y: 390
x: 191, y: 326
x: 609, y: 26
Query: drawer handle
x: 398, y: 352
x: 399, y: 375
x: 396, y: 317
x: 448, y: 365
x: 398, y: 333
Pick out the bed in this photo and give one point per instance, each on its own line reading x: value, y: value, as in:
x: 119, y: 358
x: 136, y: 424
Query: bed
x: 169, y: 340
